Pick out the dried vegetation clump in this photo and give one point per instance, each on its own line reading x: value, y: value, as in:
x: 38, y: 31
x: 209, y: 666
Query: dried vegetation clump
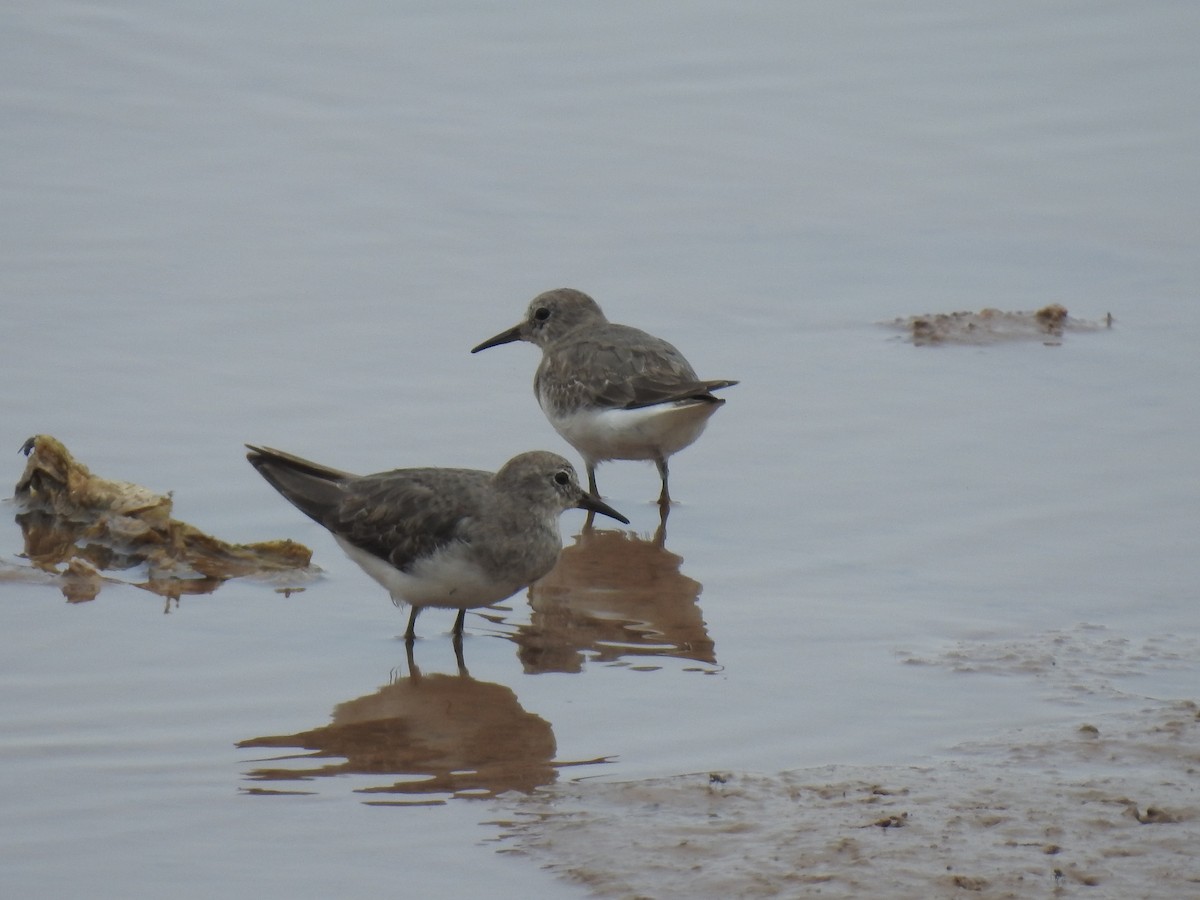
x: 78, y: 525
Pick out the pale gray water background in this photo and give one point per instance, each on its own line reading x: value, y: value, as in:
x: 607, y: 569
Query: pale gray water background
x: 289, y: 223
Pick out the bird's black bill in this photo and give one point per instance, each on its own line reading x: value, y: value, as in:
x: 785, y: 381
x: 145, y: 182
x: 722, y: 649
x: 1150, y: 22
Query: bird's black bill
x: 504, y: 337
x: 592, y: 503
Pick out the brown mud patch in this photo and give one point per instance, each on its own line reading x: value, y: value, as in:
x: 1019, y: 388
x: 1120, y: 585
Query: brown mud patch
x: 77, y: 525
x: 993, y: 326
x: 1104, y: 803
x: 1115, y: 808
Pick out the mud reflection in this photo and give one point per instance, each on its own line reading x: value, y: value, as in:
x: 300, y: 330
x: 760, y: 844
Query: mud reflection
x: 445, y: 734
x: 613, y: 596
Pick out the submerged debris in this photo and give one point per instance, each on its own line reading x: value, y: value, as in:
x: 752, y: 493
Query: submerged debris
x: 87, y: 525
x: 990, y: 326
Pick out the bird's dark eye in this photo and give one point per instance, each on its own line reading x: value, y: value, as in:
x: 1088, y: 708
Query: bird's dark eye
x: 542, y: 314
x: 562, y: 478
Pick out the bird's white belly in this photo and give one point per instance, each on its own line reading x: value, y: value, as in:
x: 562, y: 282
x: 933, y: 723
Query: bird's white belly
x: 448, y: 579
x: 646, y: 433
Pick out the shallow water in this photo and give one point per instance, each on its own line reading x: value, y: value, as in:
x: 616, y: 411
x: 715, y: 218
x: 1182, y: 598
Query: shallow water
x: 256, y: 224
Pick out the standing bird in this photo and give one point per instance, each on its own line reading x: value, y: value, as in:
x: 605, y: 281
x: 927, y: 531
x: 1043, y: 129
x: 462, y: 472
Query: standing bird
x: 451, y: 538
x: 611, y: 391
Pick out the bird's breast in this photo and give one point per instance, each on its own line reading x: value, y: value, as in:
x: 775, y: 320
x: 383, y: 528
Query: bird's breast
x: 647, y: 432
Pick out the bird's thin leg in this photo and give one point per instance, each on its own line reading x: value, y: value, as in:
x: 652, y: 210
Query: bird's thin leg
x: 458, y: 655
x: 410, y: 633
x: 664, y: 499
x: 458, y: 623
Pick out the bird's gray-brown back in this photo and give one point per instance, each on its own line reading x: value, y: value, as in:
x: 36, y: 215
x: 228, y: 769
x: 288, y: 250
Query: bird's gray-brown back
x: 408, y: 514
x: 625, y: 368
x: 590, y: 361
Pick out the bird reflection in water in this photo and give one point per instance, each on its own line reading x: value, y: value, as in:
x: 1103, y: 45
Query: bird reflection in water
x: 445, y: 734
x: 613, y: 596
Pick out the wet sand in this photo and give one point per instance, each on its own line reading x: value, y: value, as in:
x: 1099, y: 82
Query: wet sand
x: 1108, y: 807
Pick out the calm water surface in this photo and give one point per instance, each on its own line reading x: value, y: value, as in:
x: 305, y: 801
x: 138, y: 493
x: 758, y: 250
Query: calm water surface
x: 289, y: 226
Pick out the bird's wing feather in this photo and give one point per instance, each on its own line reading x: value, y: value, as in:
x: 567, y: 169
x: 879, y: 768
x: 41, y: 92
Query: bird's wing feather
x: 407, y: 514
x: 635, y: 369
x: 312, y: 488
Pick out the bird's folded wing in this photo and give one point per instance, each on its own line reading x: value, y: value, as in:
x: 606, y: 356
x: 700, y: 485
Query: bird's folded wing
x: 408, y: 514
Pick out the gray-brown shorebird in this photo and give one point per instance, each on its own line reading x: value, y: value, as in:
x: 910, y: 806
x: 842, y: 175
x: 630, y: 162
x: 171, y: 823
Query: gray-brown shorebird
x: 612, y: 391
x: 450, y: 538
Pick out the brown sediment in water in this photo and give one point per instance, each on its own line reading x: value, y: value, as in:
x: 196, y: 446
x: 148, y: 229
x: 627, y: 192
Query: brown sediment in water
x: 991, y: 326
x: 77, y: 525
